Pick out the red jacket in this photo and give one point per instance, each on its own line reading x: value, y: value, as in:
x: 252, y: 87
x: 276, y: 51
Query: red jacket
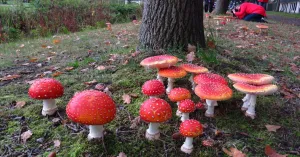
x: 250, y: 8
x: 265, y: 1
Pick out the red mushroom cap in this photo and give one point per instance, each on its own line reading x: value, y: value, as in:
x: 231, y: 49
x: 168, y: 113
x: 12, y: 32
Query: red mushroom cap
x: 209, y: 78
x: 255, y: 79
x: 260, y: 26
x: 186, y: 106
x: 213, y: 91
x: 91, y: 107
x: 194, y: 68
x: 191, y: 128
x: 161, y: 61
x: 257, y: 90
x: 46, y: 88
x: 153, y: 88
x: 172, y: 72
x: 155, y: 110
x: 178, y: 94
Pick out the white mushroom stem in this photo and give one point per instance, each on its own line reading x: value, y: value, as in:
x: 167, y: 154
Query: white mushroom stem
x: 170, y: 85
x: 178, y: 113
x: 210, y: 107
x: 49, y: 107
x: 192, y: 81
x: 96, y: 131
x: 246, y: 100
x: 161, y: 79
x: 187, y: 146
x: 185, y: 116
x: 251, y: 109
x: 152, y: 132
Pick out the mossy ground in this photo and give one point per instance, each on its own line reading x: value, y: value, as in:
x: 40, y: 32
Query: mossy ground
x: 124, y: 75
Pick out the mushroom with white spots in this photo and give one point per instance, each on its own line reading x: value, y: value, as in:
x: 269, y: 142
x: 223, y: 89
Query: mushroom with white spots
x: 155, y: 111
x: 213, y: 92
x: 172, y: 73
x: 153, y: 88
x: 178, y: 94
x: 194, y: 69
x: 46, y: 89
x: 93, y: 108
x: 190, y: 128
x: 158, y: 62
x: 186, y: 107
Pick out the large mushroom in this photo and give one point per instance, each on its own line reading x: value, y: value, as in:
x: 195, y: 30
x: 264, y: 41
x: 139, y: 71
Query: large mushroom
x: 178, y: 94
x: 160, y: 61
x: 186, y: 107
x: 194, y: 69
x: 153, y: 88
x: 172, y: 73
x: 213, y: 92
x: 209, y: 78
x: 190, y: 129
x: 155, y: 111
x: 46, y: 89
x: 252, y: 91
x: 254, y: 79
x: 93, y: 108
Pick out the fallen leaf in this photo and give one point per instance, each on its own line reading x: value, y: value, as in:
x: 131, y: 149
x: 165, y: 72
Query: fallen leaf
x: 39, y: 65
x: 233, y: 152
x: 272, y: 127
x: 106, y: 90
x: 190, y: 57
x: 52, y: 154
x: 26, y: 135
x: 134, y: 54
x: 22, y: 45
x: 208, y: 143
x: 55, y: 120
x: 56, y: 41
x: 84, y: 70
x: 10, y: 77
x: 56, y: 143
x: 32, y: 59
x: 44, y: 46
x: 25, y: 64
x: 69, y: 68
x: 125, y: 46
x: 100, y: 86
x: 191, y: 48
x: 91, y: 82
x: 134, y: 95
x: 240, y: 46
x: 211, y: 44
x: 125, y: 62
x: 107, y: 42
x: 122, y: 154
x: 296, y: 58
x: 135, y: 122
x: 101, y: 67
x: 272, y: 153
x: 57, y: 73
x: 52, y: 53
x: 177, y: 136
x: 49, y: 47
x: 20, y: 104
x: 126, y: 99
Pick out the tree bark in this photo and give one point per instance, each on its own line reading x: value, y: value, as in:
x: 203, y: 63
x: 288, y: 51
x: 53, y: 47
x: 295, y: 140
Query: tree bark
x: 221, y: 6
x: 172, y: 24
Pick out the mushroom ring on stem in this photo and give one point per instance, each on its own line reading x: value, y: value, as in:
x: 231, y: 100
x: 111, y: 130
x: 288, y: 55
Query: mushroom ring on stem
x: 93, y: 108
x: 178, y: 94
x: 190, y: 129
x: 46, y: 89
x: 153, y: 88
x: 172, y: 73
x: 186, y: 107
x: 155, y: 111
x: 194, y: 69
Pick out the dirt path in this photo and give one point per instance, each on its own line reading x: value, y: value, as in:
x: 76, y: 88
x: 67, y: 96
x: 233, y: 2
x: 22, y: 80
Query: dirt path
x: 286, y: 20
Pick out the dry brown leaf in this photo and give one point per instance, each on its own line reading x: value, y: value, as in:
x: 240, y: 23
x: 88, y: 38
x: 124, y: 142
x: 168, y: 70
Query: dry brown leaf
x: 177, y: 136
x: 69, y: 68
x: 125, y: 62
x: 107, y: 42
x: 52, y: 154
x: 32, y: 59
x: 134, y: 95
x: 122, y: 154
x: 100, y: 86
x: 26, y: 135
x: 56, y: 143
x: 233, y: 152
x: 56, y: 41
x: 101, y: 67
x: 272, y: 153
x: 126, y: 98
x: 10, y: 77
x: 91, y: 82
x: 84, y: 70
x: 22, y: 45
x: 25, y: 64
x: 125, y: 46
x: 57, y: 73
x: 240, y: 46
x: 20, y: 104
x: 135, y: 122
x: 44, y: 46
x: 134, y: 54
x: 55, y: 120
x: 190, y: 57
x: 272, y: 127
x: 208, y: 143
x: 191, y: 48
x: 211, y: 44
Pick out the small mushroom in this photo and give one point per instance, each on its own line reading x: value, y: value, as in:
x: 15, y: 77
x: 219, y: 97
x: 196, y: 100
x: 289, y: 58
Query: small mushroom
x: 155, y: 111
x: 186, y: 107
x: 213, y: 92
x: 108, y: 26
x: 153, y: 88
x: 190, y: 129
x: 160, y: 61
x: 194, y: 69
x: 172, y: 73
x: 46, y: 89
x: 262, y: 28
x: 178, y: 94
x: 93, y: 108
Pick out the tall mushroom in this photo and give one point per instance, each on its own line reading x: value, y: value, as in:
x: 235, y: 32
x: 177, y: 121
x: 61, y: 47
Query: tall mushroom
x: 93, y: 108
x: 172, y: 73
x: 194, y: 69
x: 46, y: 89
x: 155, y: 111
x: 186, y: 107
x: 190, y: 129
x: 213, y: 92
x: 153, y: 88
x: 178, y: 94
x: 252, y: 91
x: 160, y: 61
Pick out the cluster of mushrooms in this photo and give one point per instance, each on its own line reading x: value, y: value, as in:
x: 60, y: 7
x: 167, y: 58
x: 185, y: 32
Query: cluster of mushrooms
x: 96, y: 108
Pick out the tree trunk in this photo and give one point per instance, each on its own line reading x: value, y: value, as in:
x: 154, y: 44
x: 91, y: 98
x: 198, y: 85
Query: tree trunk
x: 172, y: 24
x: 221, y: 6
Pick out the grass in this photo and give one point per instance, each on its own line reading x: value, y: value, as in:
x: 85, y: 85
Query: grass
x: 87, y: 50
x: 289, y: 15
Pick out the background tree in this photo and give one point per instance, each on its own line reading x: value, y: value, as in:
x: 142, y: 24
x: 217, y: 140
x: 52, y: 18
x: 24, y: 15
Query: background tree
x: 172, y: 23
x: 221, y: 6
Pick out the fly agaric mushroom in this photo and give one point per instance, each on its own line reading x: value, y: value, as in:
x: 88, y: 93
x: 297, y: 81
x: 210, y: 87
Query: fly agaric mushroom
x: 93, y: 108
x: 194, y: 69
x: 155, y: 111
x: 178, y: 94
x: 172, y: 73
x: 213, y: 92
x: 161, y: 61
x: 190, y: 129
x: 153, y: 88
x: 108, y: 26
x: 209, y: 78
x: 252, y: 91
x: 254, y: 79
x: 46, y: 89
x: 185, y: 107
x: 262, y: 28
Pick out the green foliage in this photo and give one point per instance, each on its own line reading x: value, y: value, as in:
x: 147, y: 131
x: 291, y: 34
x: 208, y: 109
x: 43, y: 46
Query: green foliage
x: 120, y: 13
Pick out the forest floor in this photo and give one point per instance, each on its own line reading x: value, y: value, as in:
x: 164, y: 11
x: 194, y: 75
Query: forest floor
x: 97, y: 57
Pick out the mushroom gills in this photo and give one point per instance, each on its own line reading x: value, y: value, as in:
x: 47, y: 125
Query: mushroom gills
x: 49, y: 107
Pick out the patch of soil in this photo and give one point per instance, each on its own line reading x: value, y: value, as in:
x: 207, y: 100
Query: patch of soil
x: 285, y: 20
